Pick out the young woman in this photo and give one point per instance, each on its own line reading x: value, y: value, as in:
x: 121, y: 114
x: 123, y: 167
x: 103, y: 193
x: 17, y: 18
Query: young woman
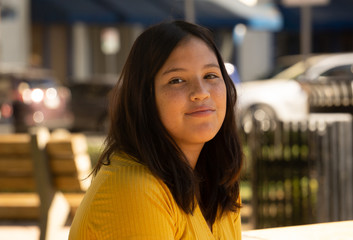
x: 171, y: 163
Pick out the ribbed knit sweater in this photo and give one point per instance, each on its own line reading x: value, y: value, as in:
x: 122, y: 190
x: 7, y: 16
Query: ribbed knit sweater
x: 125, y: 201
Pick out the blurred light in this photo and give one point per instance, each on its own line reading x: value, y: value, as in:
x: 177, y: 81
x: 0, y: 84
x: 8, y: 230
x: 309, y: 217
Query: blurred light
x: 6, y: 110
x: 248, y: 126
x: 110, y: 41
x: 239, y: 33
x: 52, y: 100
x: 22, y: 87
x: 51, y: 93
x: 240, y: 29
x: 37, y: 95
x: 230, y: 68
x: 27, y: 96
x: 38, y: 117
x: 249, y: 3
x: 260, y: 115
x: 232, y: 72
x: 52, y: 103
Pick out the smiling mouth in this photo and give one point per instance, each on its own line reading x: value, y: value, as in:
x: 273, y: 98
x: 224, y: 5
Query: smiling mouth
x: 201, y: 112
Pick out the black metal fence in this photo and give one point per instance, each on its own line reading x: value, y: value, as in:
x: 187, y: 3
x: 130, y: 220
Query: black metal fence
x: 301, y: 172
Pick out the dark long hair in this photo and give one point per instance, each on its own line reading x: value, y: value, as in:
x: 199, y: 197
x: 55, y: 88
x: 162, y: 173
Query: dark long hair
x: 135, y: 127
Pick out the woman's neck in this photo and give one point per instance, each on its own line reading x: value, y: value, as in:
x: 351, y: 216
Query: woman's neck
x: 192, y: 153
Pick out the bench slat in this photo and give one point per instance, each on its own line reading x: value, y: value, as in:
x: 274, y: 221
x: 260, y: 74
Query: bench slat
x: 73, y: 184
x: 70, y: 167
x: 16, y: 165
x: 67, y: 146
x: 78, y: 183
x: 78, y: 163
x: 15, y: 144
x: 25, y: 206
x: 16, y: 184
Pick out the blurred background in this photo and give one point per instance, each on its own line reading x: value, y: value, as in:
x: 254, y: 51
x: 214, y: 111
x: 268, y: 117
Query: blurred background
x: 291, y: 61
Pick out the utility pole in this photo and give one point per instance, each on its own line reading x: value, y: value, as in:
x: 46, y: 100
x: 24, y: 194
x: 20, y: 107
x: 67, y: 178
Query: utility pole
x: 305, y: 21
x: 305, y: 31
x: 0, y: 31
x: 189, y: 10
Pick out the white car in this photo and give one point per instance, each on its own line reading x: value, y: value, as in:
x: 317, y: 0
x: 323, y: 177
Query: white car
x: 323, y: 65
x: 287, y: 95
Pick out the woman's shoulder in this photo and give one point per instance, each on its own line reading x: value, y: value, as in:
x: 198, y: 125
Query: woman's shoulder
x: 131, y: 183
x: 122, y: 159
x: 126, y: 174
x: 129, y: 168
x: 126, y: 199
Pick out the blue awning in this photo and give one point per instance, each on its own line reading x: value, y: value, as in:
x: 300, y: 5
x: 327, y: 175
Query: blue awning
x: 144, y: 12
x: 262, y: 16
x: 337, y: 15
x: 207, y: 13
x: 147, y: 12
x: 70, y: 11
x: 210, y: 13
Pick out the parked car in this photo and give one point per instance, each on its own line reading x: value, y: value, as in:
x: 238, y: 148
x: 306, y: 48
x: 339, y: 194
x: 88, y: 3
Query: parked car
x: 33, y: 97
x: 90, y: 103
x: 271, y: 100
x: 319, y: 66
x: 291, y: 94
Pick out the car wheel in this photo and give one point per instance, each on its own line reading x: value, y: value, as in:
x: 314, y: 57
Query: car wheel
x: 263, y: 115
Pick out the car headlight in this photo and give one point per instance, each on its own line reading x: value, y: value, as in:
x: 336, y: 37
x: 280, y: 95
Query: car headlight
x: 37, y: 95
x: 51, y: 93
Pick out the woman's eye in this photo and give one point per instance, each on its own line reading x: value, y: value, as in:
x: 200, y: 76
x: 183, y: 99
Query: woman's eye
x: 176, y: 81
x: 211, y: 76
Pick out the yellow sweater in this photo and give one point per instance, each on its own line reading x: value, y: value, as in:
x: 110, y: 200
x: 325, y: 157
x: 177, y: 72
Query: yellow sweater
x: 125, y: 201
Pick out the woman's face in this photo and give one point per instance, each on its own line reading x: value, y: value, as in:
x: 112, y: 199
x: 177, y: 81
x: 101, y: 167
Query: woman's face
x: 191, y: 94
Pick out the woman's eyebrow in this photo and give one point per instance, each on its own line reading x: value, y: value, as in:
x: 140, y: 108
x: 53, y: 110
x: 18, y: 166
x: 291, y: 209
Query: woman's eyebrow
x: 177, y: 69
x: 211, y: 65
x: 174, y: 70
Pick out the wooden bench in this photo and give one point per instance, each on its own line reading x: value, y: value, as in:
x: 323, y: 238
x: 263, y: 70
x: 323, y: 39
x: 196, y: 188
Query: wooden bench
x: 43, y: 176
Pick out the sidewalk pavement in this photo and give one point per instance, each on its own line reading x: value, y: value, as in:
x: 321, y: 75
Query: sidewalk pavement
x: 342, y: 230
x: 323, y: 231
x: 27, y: 232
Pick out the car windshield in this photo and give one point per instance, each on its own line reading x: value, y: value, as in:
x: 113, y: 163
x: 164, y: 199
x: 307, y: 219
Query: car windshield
x: 340, y: 71
x: 40, y: 83
x: 298, y: 69
x: 314, y: 67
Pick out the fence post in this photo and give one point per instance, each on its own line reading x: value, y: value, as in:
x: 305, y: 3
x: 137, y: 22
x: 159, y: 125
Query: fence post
x: 309, y: 171
x: 54, y: 208
x: 334, y: 165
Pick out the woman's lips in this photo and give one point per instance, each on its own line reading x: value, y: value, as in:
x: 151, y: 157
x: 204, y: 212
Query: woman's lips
x: 201, y: 112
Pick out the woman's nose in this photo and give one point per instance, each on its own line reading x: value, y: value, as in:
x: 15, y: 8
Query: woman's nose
x: 199, y: 91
